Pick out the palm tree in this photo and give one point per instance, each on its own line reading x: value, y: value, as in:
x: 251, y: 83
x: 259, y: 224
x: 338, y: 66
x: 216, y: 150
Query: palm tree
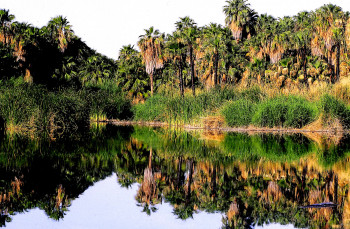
x: 175, y: 51
x: 239, y: 18
x: 151, y: 44
x: 262, y: 41
x: 60, y: 32
x: 189, y: 34
x: 5, y: 23
x: 21, y: 38
x: 213, y: 43
x: 131, y: 74
x: 302, y: 36
x: 329, y: 26
x: 347, y: 34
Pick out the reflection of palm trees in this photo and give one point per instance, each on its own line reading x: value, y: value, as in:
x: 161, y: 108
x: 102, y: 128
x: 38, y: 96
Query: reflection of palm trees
x: 148, y: 193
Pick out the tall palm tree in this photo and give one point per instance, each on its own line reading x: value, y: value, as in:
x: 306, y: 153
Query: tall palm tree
x: 260, y: 45
x: 347, y: 34
x: 175, y: 51
x: 189, y: 34
x: 151, y: 44
x: 329, y: 26
x: 131, y: 73
x: 5, y: 22
x: 239, y: 18
x: 302, y: 36
x: 60, y: 32
x: 213, y: 44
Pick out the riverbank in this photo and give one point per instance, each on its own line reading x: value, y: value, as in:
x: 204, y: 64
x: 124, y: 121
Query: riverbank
x: 248, y: 129
x: 253, y: 108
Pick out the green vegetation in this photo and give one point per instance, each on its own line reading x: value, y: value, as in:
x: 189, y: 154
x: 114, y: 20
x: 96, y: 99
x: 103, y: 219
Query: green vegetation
x: 239, y: 113
x: 334, y: 108
x: 182, y: 109
x: 32, y: 108
x: 261, y: 178
x: 285, y: 112
x: 256, y: 69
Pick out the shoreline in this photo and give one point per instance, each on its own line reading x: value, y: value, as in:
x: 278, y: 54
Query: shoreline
x: 332, y: 131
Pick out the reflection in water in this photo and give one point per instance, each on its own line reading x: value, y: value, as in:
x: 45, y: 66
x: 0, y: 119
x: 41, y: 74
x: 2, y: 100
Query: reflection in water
x: 251, y: 179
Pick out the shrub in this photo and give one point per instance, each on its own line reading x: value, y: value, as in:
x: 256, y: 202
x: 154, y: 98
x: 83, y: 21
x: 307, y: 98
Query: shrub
x: 105, y: 103
x: 331, y: 107
x: 238, y: 113
x: 65, y: 110
x: 152, y: 110
x: 285, y: 112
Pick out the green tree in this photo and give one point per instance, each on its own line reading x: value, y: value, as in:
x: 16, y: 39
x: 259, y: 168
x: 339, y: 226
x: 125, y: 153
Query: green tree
x: 189, y: 34
x: 151, y: 44
x: 60, y: 32
x: 213, y: 45
x: 132, y: 77
x: 5, y: 22
x: 175, y: 51
x: 240, y: 19
x: 329, y: 28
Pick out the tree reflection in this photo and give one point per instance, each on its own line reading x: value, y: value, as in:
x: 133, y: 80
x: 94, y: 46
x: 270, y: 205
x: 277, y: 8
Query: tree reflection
x: 252, y: 180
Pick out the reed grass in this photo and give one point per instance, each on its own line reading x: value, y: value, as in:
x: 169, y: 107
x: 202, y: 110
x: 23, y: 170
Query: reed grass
x: 32, y: 108
x: 285, y: 111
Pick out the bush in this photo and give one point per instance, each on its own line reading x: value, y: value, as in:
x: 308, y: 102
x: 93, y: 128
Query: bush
x: 19, y: 103
x: 65, y: 110
x: 110, y: 104
x: 285, y: 111
x: 331, y: 107
x: 238, y: 113
x: 152, y: 110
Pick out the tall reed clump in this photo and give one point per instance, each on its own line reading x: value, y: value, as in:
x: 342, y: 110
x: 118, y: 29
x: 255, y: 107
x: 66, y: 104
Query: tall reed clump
x: 152, y: 110
x: 64, y: 110
x: 30, y: 107
x: 331, y: 107
x: 107, y: 103
x: 239, y: 113
x: 182, y: 109
x: 285, y: 111
x: 20, y: 105
x: 189, y: 109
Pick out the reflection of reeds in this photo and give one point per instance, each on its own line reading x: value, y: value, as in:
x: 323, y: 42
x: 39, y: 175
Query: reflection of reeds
x: 59, y: 197
x: 233, y: 210
x: 315, y: 196
x: 16, y: 185
x: 346, y: 211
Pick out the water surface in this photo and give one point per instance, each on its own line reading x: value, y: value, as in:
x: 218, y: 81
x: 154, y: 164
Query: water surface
x: 133, y: 177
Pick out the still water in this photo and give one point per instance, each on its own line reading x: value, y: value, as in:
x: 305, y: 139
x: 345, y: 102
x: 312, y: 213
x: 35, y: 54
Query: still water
x: 140, y: 177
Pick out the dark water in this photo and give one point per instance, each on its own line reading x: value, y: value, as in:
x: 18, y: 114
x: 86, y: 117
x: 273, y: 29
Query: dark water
x: 133, y: 177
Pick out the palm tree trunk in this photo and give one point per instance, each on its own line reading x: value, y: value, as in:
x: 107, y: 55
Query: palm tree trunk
x: 338, y: 63
x: 304, y: 60
x: 181, y: 83
x: 335, y: 189
x: 213, y: 181
x: 150, y: 158
x: 188, y: 196
x: 151, y: 78
x: 330, y: 66
x: 192, y: 70
x: 216, y: 61
x: 179, y: 175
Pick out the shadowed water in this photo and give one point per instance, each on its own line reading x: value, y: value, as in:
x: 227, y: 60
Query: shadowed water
x: 132, y: 177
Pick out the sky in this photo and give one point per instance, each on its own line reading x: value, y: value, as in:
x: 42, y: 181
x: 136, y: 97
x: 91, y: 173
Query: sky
x: 107, y: 25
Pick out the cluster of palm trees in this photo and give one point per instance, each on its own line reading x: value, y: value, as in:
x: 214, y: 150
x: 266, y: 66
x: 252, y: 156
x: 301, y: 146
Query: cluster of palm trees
x: 249, y: 44
x: 52, y: 54
x: 310, y: 45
